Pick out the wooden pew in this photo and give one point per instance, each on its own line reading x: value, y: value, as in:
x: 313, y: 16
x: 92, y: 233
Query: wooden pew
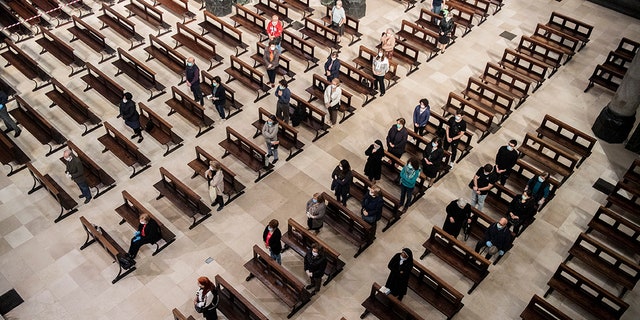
x: 317, y: 93
x: 30, y: 15
x: 576, y: 141
x: 520, y: 175
x: 248, y: 76
x: 571, y: 26
x: 252, y: 21
x: 415, y: 147
x: 232, y: 105
x: 232, y: 187
x: 161, y: 130
x: 351, y: 25
x: 124, y: 150
x: 178, y: 7
x: 13, y: 26
x: 284, y: 64
x: 490, y: 98
x: 75, y: 107
x: 287, y: 135
x: 585, y: 293
x: 166, y: 55
x: 191, y: 110
x: 527, y: 66
x: 407, y: 54
x: 359, y: 81
x: 479, y: 224
x: 149, y: 15
x: 627, y: 48
x: 38, y: 126
x: 121, y: 25
x: 80, y: 6
x: 435, y: 127
x: 92, y: 38
x: 455, y: 253
x: 391, y: 205
x: 139, y: 73
x: 607, y: 77
x: 315, y: 118
x: 182, y: 197
x: 633, y: 173
x: 130, y: 212
x: 547, y: 55
x: 197, y: 43
x: 462, y: 17
x: 497, y: 4
x: 391, y: 168
x: 96, y: 233
x: 320, y: 34
x: 224, y: 32
x: 431, y: 21
x: 66, y: 202
x: 420, y: 37
x: 300, y: 48
x: 386, y: 307
x: 540, y: 309
x: 177, y: 315
x: 622, y: 232
x: 278, y: 279
x: 556, y: 159
x: 103, y: 84
x: 473, y: 113
x: 274, y: 7
x: 300, y: 240
x: 94, y: 174
x: 247, y: 152
x: 25, y: 64
x: 301, y: 5
x: 348, y: 224
x: 626, y: 197
x: 507, y: 81
x: 11, y: 153
x: 233, y: 305
x: 410, y: 4
x: 8, y: 88
x: 480, y: 8
x: 558, y: 39
x: 364, y: 62
x: 61, y: 51
x: 434, y: 290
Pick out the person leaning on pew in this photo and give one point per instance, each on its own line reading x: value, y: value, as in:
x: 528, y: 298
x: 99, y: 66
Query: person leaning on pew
x: 192, y: 75
x: 4, y: 115
x: 521, y: 210
x: 215, y: 182
x: 314, y: 264
x: 332, y: 66
x: 338, y: 18
x: 458, y: 214
x: 270, y: 134
x: 284, y: 98
x: 482, y: 182
x: 131, y: 116
x: 148, y: 232
x: 497, y: 239
x: 274, y: 31
x: 455, y: 129
x: 372, y: 204
x: 341, y: 179
x: 75, y: 171
x: 398, y: 280
x: 332, y: 97
x: 271, y: 59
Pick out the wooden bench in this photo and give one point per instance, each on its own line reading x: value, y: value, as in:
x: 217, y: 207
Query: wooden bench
x: 480, y: 8
x: 300, y: 240
x: 434, y: 290
x: 232, y: 105
x: 103, y: 84
x: 61, y: 51
x: 191, y: 110
x: 540, y: 309
x: 161, y: 130
x: 387, y: 307
x: 315, y: 118
x: 182, y: 197
x: 252, y: 21
x: 233, y: 305
x: 139, y: 73
x: 224, y: 32
x: 248, y: 76
x: 558, y: 39
x: 166, y: 55
x: 121, y: 25
x: 507, y: 81
x: 38, y: 126
x: 8, y: 88
x: 585, y: 293
x: 530, y: 68
x: 130, y: 212
x: 462, y: 17
x: 493, y: 100
x: 124, y: 150
x: 619, y: 61
x: 66, y: 202
x: 556, y: 159
x: 351, y: 25
x: 571, y: 26
x: 274, y: 7
x: 278, y: 279
x: 177, y: 315
x: 284, y: 64
x: 301, y: 5
x: 247, y: 152
x: 576, y: 141
x: 460, y: 257
x: 287, y: 135
x: 79, y: 5
x: 435, y: 127
x: 30, y: 15
x: 522, y: 172
x: 431, y: 21
x: 73, y: 106
x: 606, y: 76
x: 321, y: 34
x: 11, y: 153
x: 391, y: 168
x: 546, y: 54
x: 232, y: 187
x: 390, y: 206
x: 416, y: 146
x: 364, y: 61
x: 317, y: 93
x: 25, y: 64
x: 359, y: 81
x: 178, y: 7
x: 479, y: 224
x: 633, y: 173
x: 474, y: 114
x: 197, y: 43
x: 622, y: 232
x: 420, y: 37
x: 148, y: 14
x: 348, y: 224
x: 407, y: 54
x: 300, y: 48
x: 13, y: 25
x: 627, y: 48
x: 92, y: 38
x: 94, y: 174
x: 626, y: 197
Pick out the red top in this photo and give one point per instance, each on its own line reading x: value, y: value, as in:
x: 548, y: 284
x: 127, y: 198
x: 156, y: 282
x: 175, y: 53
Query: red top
x: 268, y: 237
x: 274, y: 30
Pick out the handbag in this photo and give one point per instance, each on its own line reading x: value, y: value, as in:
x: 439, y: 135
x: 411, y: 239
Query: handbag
x: 213, y: 193
x: 125, y: 261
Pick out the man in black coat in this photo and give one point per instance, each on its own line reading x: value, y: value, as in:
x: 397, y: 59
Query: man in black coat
x: 192, y: 75
x: 148, y: 232
x: 506, y: 158
x: 75, y: 171
x: 315, y: 263
x: 131, y: 116
x: 397, y: 138
x: 219, y: 96
x: 497, y: 238
x: 332, y: 66
x: 458, y: 213
x: 521, y: 210
x: 400, y: 266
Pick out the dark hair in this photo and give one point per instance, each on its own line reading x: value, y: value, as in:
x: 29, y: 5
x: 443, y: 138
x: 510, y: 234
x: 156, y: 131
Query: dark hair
x: 128, y: 95
x: 284, y: 83
x: 274, y: 223
x: 273, y: 118
x: 437, y: 140
x: 415, y: 163
x: 513, y: 142
x: 488, y: 167
x: 346, y: 167
x: 217, y: 79
x: 459, y: 111
x: 401, y: 120
x: 425, y: 101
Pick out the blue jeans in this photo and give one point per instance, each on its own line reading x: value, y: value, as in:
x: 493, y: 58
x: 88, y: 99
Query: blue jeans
x: 478, y: 199
x: 436, y: 9
x: 84, y: 188
x: 271, y: 149
x: 220, y: 109
x: 276, y: 257
x: 405, y: 192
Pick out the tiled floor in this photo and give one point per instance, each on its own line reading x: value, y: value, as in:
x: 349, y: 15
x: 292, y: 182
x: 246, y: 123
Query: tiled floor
x: 42, y: 260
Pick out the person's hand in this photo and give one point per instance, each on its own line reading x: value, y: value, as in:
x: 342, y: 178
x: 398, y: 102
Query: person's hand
x: 449, y: 139
x: 328, y: 72
x: 475, y: 188
x: 275, y: 142
x: 270, y: 65
x: 364, y: 212
x: 309, y: 273
x: 68, y: 175
x: 501, y: 252
x: 452, y: 220
x: 489, y: 244
x: 478, y: 192
x: 468, y: 220
x: 392, y: 145
x: 541, y: 201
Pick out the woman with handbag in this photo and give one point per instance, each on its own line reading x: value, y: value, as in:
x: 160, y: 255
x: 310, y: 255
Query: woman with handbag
x: 206, y: 300
x: 315, y: 212
x: 215, y: 181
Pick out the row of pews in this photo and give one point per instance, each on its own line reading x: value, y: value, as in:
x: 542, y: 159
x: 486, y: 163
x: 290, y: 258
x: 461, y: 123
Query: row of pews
x: 610, y: 73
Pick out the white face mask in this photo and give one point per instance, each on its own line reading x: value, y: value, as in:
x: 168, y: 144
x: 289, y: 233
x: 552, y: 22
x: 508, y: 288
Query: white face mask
x: 380, y: 54
x: 340, y: 167
x: 371, y: 193
x: 499, y: 226
x: 435, y: 145
x: 541, y: 179
x: 272, y: 48
x: 458, y: 118
x: 124, y: 100
x: 510, y: 148
x: 143, y: 222
x: 313, y: 253
x: 68, y: 159
x: 270, y: 229
x: 211, y: 168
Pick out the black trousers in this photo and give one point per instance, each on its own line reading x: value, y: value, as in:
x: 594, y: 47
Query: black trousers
x: 135, y: 246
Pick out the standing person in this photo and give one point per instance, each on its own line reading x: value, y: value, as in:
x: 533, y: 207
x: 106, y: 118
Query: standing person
x: 274, y: 32
x: 373, y: 166
x: 421, y: 115
x: 130, y: 115
x: 206, y: 300
x: 271, y: 237
x: 338, y: 18
x: 538, y: 186
x: 284, y: 97
x: 75, y: 171
x: 408, y: 176
x: 148, y: 232
x: 482, y: 182
x: 341, y: 181
x: 397, y: 138
x: 436, y: 6
x: 455, y: 129
x: 316, y: 209
x: 215, y: 182
x: 270, y: 134
x: 446, y: 27
x: 332, y: 97
x: 380, y: 67
x: 372, y: 204
x: 506, y: 158
x: 458, y: 213
x: 521, y: 210
x: 315, y: 263
x: 192, y: 75
x: 388, y: 42
x: 432, y: 159
x: 4, y: 115
x: 219, y: 96
x: 271, y: 59
x: 497, y: 238
x: 400, y: 266
x: 332, y: 66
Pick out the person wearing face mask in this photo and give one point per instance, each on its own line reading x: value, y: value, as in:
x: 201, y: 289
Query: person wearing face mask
x: 455, y: 130
x: 506, y: 158
x: 373, y: 166
x: 497, y: 239
x: 75, y: 171
x: 206, y: 300
x: 341, y: 181
x: 521, y: 210
x: 397, y: 138
x: 271, y: 59
x: 432, y: 159
x: 458, y: 213
x: 131, y: 116
x: 192, y: 76
x: 315, y: 263
x: 332, y: 97
x: 316, y: 209
x: 219, y: 96
x: 271, y: 237
x: 400, y: 266
x: 380, y: 67
x: 274, y: 31
x: 482, y: 182
x: 372, y: 204
x: 148, y: 232
x: 388, y: 42
x: 446, y: 26
x: 538, y: 186
x: 338, y: 18
x: 270, y: 134
x: 215, y: 182
x: 332, y: 66
x: 284, y: 97
x: 421, y: 115
x: 408, y: 177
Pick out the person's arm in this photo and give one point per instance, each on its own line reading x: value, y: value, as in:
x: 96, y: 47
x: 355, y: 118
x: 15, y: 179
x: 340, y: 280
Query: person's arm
x: 327, y: 96
x: 218, y: 179
x: 475, y: 182
x: 286, y: 95
x: 265, y: 57
x: 487, y: 187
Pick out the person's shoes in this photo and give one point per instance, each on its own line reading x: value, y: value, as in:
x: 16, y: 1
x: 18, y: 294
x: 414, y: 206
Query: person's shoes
x: 269, y: 154
x: 8, y: 130
x: 382, y: 94
x: 313, y: 293
x: 404, y: 209
x: 274, y: 161
x: 140, y: 139
x: 451, y: 164
x: 17, y: 134
x: 133, y: 136
x: 87, y: 200
x: 309, y: 287
x: 81, y: 196
x: 317, y: 231
x: 220, y: 208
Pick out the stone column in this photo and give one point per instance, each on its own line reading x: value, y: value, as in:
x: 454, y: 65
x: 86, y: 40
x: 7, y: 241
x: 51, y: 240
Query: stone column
x: 355, y: 8
x: 219, y: 8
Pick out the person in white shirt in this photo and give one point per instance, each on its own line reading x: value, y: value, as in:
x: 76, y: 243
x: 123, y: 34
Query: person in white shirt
x: 332, y: 96
x: 206, y: 300
x: 338, y: 18
x: 380, y: 67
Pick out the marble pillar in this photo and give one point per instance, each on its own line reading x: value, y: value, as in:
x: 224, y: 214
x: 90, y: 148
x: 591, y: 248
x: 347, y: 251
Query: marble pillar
x: 355, y: 8
x: 219, y: 8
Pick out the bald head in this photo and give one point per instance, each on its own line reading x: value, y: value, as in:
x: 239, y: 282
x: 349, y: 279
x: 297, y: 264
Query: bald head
x: 503, y: 222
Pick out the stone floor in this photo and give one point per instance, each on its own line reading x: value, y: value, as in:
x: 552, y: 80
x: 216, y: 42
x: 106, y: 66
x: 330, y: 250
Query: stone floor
x: 42, y: 260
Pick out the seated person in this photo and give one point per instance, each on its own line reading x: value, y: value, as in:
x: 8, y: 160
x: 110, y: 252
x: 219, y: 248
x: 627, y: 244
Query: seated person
x: 148, y: 232
x: 538, y: 186
x: 521, y: 210
x: 497, y: 238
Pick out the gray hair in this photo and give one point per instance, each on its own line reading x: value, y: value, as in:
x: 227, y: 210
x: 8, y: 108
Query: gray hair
x: 462, y: 202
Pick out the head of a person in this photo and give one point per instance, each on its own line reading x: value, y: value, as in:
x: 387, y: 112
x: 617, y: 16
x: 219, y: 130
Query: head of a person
x: 273, y: 224
x: 502, y: 223
x: 67, y: 155
x: 448, y: 14
x: 487, y: 168
x: 272, y: 120
x: 390, y: 32
x: 436, y: 142
x: 339, y: 4
x: 127, y: 97
x: 543, y: 176
x: 334, y: 55
x: 374, y: 190
x: 458, y: 116
x: 378, y: 143
x: 214, y: 165
x: 461, y: 202
x: 512, y: 144
x: 318, y: 197
x: 283, y: 84
x: 144, y: 218
x: 344, y: 165
x: 400, y: 123
x: 272, y: 45
x: 216, y: 80
x: 335, y: 82
x: 274, y: 18
x: 413, y: 163
x: 424, y: 103
x: 191, y: 61
x: 316, y: 249
x: 526, y: 195
x: 406, y: 254
x: 205, y: 284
